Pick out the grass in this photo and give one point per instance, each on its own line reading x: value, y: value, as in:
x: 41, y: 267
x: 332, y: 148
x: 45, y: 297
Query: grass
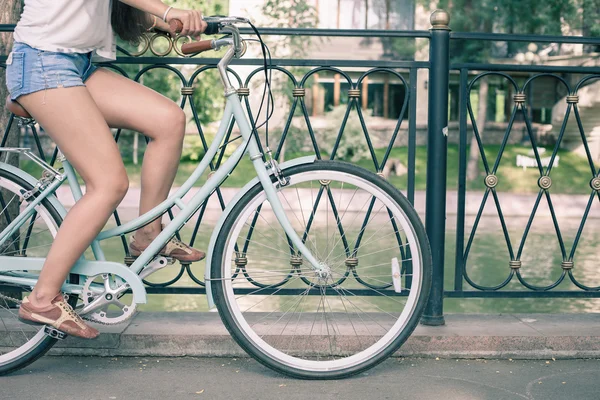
x: 571, y: 176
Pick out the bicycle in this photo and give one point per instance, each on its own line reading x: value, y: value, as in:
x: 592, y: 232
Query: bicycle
x: 319, y: 269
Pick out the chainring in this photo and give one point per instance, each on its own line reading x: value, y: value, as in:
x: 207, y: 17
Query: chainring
x: 113, y: 311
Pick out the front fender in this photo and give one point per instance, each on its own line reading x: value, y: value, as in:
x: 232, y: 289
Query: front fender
x: 217, y: 231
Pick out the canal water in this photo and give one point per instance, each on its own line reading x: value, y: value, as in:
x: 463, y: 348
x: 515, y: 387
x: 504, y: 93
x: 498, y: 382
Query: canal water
x: 487, y: 265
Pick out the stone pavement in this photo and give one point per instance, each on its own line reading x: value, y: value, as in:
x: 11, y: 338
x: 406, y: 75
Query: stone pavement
x: 518, y: 336
x: 137, y: 378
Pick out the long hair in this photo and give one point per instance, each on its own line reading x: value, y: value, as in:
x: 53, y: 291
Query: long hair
x: 128, y: 22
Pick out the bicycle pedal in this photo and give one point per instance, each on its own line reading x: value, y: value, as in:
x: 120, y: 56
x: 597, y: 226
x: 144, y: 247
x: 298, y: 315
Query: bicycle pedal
x: 54, y: 333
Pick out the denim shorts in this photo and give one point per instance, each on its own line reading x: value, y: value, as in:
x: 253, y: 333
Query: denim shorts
x: 30, y: 70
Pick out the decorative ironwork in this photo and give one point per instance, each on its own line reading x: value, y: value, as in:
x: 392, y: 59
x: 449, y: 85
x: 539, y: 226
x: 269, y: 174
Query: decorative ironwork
x: 567, y: 265
x: 351, y: 262
x: 157, y: 52
x: 299, y: 92
x: 296, y: 262
x: 545, y: 182
x: 354, y: 93
x: 572, y: 99
x: 491, y: 181
x: 520, y: 99
x: 440, y: 19
x: 187, y: 91
x: 241, y: 260
x: 405, y: 73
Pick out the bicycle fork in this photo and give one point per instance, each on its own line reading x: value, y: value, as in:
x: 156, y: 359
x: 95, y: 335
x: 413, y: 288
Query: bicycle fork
x: 265, y: 179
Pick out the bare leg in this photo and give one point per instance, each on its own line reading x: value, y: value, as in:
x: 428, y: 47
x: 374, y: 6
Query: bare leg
x: 127, y: 104
x: 73, y: 121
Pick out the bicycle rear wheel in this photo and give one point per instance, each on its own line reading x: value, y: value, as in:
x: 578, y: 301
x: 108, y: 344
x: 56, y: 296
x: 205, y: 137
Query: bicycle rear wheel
x: 21, y: 344
x: 332, y: 325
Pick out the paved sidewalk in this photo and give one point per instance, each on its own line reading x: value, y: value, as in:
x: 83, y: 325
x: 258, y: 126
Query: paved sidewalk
x: 523, y: 336
x: 82, y: 378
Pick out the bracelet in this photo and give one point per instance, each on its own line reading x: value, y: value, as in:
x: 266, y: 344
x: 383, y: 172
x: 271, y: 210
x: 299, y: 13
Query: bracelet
x: 166, y: 13
x: 153, y: 24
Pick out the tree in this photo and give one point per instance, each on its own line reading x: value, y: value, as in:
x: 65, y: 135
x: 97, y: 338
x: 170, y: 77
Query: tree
x: 294, y: 14
x: 509, y: 16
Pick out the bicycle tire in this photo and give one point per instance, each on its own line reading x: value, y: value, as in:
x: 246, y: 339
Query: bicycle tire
x: 45, y: 343
x: 226, y: 303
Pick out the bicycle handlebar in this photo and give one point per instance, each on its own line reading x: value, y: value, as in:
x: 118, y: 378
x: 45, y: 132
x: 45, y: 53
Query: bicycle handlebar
x: 211, y: 29
x: 200, y: 46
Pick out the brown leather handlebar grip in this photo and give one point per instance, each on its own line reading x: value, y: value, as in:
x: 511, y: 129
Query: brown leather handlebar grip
x: 196, y: 47
x: 176, y: 25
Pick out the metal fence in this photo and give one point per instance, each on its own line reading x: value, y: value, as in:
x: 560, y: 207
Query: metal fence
x: 405, y: 73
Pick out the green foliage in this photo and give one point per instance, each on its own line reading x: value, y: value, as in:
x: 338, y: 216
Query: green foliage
x: 515, y: 16
x: 290, y: 14
x: 207, y: 99
x: 353, y: 146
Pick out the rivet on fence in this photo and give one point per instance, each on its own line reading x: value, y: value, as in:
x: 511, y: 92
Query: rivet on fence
x: 299, y: 92
x: 296, y: 261
x: 545, y: 182
x: 491, y: 181
x: 514, y: 264
x: 572, y: 99
x: 187, y: 90
x: 243, y: 91
x: 354, y: 93
x: 519, y: 99
x: 595, y: 184
x: 351, y: 262
x: 241, y: 260
x: 567, y: 265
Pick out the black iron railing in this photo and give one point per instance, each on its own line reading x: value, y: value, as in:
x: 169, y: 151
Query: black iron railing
x: 404, y: 129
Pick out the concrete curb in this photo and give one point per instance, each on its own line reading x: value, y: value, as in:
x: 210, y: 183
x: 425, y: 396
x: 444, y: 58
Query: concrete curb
x: 517, y: 336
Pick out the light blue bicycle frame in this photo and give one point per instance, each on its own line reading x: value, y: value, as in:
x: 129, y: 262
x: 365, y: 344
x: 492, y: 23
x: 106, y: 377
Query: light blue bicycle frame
x: 233, y: 109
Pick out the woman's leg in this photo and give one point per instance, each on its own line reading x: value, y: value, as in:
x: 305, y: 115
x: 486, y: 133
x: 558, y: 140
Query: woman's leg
x: 127, y: 104
x: 72, y: 119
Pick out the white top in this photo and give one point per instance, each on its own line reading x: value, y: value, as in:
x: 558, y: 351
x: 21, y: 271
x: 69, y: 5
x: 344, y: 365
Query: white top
x: 68, y: 26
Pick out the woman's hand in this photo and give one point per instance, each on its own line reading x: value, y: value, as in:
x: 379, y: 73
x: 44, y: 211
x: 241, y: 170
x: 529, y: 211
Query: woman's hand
x: 193, y: 24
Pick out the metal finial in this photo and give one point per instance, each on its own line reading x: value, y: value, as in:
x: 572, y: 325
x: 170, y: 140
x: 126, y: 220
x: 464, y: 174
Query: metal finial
x: 440, y: 19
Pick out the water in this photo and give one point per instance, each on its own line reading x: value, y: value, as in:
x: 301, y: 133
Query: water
x: 487, y: 265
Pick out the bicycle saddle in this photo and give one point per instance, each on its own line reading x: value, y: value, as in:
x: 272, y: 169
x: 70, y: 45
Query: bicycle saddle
x: 16, y: 108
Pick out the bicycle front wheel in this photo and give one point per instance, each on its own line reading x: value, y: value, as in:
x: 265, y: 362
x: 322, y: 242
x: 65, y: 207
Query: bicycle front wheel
x: 335, y: 323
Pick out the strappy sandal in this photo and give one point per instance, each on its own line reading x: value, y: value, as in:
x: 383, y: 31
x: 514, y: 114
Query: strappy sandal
x: 59, y: 314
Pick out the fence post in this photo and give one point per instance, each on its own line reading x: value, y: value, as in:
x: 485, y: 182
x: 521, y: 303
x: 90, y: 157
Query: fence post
x: 437, y: 146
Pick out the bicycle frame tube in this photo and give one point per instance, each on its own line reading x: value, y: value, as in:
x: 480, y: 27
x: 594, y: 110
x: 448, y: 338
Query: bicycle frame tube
x: 234, y: 109
x: 175, y: 199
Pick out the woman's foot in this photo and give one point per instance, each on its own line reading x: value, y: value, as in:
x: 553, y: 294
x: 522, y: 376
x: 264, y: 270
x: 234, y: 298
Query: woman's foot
x: 174, y: 248
x: 59, y: 314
